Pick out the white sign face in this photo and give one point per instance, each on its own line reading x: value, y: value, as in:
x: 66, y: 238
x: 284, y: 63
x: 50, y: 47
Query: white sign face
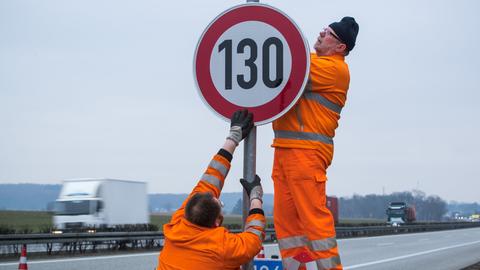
x: 256, y: 65
x: 251, y: 56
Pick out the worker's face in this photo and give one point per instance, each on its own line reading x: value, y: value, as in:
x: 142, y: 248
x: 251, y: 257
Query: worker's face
x: 328, y: 43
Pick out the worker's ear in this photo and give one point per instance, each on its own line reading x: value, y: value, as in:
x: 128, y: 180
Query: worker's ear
x: 340, y: 48
x: 219, y: 221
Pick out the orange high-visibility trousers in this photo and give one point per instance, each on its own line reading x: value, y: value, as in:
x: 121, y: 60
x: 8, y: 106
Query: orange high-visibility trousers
x: 304, y: 226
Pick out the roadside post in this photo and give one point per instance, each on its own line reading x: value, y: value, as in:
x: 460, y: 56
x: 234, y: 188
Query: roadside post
x: 251, y: 56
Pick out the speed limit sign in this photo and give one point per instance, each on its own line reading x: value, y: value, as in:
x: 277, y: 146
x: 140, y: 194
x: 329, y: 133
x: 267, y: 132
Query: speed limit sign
x: 251, y: 56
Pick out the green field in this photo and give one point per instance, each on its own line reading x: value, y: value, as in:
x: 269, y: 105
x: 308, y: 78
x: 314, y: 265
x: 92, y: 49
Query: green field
x: 25, y: 221
x: 41, y: 222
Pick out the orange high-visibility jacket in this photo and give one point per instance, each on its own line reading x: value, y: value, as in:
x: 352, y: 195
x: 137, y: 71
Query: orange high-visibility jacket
x: 189, y: 246
x: 311, y: 123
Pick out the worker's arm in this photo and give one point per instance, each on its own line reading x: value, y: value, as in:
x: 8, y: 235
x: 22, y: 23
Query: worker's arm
x: 241, y: 248
x: 213, y: 178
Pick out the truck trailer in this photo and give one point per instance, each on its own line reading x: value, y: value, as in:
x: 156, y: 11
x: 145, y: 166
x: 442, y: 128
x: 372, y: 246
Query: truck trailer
x: 332, y: 205
x: 95, y: 203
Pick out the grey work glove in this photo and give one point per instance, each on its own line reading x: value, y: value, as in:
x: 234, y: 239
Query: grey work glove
x: 240, y: 125
x: 253, y: 189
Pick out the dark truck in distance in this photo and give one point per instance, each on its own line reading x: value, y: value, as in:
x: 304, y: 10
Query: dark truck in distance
x: 400, y: 213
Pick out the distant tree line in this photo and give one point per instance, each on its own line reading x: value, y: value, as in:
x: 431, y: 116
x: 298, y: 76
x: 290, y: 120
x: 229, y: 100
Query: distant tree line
x: 428, y: 208
x: 34, y: 197
x: 39, y: 197
x: 465, y: 209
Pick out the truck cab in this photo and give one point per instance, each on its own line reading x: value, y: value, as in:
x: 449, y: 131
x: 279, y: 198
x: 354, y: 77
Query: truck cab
x: 400, y: 213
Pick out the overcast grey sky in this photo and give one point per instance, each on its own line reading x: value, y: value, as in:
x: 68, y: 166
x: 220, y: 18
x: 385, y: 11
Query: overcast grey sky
x: 105, y: 89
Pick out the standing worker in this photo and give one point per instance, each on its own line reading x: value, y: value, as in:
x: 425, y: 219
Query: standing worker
x: 303, y: 151
x: 194, y: 238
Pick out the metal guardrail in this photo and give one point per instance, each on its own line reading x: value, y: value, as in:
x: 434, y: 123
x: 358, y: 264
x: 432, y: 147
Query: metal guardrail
x: 47, y: 238
x: 72, y: 242
x: 80, y: 242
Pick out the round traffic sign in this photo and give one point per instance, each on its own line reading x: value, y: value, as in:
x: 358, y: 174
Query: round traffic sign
x: 251, y: 56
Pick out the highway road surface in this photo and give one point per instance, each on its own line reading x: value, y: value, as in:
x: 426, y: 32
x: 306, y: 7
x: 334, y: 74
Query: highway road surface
x: 444, y: 250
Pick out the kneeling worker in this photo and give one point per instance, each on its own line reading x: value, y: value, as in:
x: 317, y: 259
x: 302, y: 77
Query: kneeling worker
x: 194, y: 238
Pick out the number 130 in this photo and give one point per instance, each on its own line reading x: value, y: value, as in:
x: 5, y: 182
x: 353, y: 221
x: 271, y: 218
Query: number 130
x: 250, y: 62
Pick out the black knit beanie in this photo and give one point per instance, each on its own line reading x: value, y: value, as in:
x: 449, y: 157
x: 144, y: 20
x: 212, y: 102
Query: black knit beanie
x: 346, y: 30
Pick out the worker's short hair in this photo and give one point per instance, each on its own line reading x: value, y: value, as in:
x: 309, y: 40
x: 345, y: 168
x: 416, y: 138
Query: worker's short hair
x: 202, y: 209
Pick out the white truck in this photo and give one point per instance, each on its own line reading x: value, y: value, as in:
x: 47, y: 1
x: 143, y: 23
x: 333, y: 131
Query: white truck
x: 94, y: 203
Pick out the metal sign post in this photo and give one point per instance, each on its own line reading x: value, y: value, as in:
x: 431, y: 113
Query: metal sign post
x: 249, y: 170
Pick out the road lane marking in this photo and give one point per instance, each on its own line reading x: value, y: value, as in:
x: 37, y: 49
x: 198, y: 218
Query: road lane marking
x: 409, y: 255
x: 85, y: 258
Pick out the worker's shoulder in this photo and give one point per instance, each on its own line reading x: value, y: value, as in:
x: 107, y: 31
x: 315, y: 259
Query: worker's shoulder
x: 323, y: 65
x: 327, y: 59
x: 222, y: 230
x: 220, y: 235
x: 227, y: 234
x: 332, y: 64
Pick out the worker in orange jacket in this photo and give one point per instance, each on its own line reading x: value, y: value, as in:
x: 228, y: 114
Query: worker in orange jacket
x: 303, y: 151
x: 194, y: 238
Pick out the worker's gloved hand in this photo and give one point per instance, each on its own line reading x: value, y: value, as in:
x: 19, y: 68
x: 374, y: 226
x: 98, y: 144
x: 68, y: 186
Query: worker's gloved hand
x: 240, y: 125
x: 253, y: 189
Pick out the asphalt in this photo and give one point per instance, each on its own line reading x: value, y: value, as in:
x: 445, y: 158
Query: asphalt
x: 444, y: 250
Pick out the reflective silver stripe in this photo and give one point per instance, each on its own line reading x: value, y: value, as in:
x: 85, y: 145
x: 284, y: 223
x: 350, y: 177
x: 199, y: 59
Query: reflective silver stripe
x: 257, y: 223
x: 328, y: 263
x: 292, y: 242
x: 212, y: 179
x: 323, y: 101
x: 324, y: 244
x: 219, y: 167
x: 290, y: 263
x: 257, y: 232
x: 309, y: 136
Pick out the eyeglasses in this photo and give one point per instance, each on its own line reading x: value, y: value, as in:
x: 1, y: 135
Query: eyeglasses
x: 328, y: 31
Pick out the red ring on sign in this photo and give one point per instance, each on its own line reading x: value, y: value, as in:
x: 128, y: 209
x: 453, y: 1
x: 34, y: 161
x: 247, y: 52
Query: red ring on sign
x: 221, y: 24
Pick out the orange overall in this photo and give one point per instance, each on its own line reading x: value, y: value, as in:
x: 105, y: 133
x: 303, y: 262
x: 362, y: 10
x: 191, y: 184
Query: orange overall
x: 190, y: 247
x: 303, y: 151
